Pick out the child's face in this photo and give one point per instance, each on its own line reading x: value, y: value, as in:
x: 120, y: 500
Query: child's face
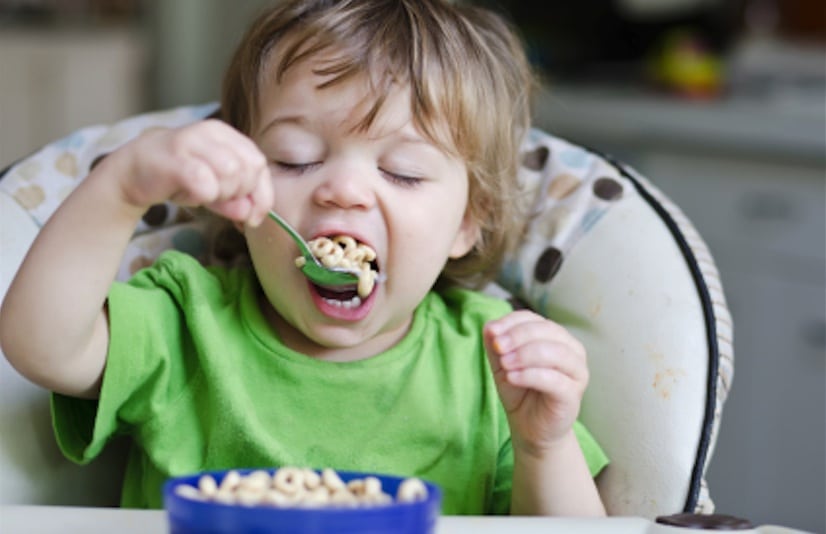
x: 388, y: 187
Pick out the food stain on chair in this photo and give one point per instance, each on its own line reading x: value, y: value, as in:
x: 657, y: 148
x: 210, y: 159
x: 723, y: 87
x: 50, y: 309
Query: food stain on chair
x: 562, y: 185
x: 28, y: 170
x: 66, y: 164
x: 30, y: 196
x: 665, y: 380
x: 596, y: 308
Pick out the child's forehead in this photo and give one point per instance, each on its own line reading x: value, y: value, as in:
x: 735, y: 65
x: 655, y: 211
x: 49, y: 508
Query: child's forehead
x: 329, y: 61
x: 376, y: 92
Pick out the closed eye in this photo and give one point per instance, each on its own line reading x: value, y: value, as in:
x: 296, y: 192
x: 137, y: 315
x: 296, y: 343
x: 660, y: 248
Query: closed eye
x: 402, y: 179
x: 295, y: 168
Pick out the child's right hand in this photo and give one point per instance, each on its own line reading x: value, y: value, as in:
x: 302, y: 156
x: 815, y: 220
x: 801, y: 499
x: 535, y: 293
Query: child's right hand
x: 208, y: 164
x: 204, y: 164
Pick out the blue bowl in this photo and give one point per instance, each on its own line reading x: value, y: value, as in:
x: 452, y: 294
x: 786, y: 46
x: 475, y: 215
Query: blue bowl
x: 189, y: 515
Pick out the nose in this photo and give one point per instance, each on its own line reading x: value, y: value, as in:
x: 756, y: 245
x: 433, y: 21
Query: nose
x: 345, y: 187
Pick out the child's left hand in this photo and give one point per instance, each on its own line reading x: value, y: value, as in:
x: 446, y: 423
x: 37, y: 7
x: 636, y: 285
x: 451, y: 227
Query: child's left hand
x: 541, y: 373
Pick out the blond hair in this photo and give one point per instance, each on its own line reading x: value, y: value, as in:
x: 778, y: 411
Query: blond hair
x: 470, y: 91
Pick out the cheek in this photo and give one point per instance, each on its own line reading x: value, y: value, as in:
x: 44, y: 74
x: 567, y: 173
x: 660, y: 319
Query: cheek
x: 421, y: 253
x: 268, y: 249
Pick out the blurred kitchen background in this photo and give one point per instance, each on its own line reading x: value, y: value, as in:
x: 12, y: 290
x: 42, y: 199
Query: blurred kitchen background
x: 722, y: 103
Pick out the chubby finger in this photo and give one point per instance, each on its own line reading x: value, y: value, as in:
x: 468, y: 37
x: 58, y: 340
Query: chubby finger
x: 198, y: 183
x: 542, y: 353
x: 251, y: 209
x: 235, y: 160
x: 494, y: 350
x: 508, y: 323
x: 556, y: 385
x: 496, y: 337
x: 524, y: 326
x: 235, y: 209
x: 262, y: 198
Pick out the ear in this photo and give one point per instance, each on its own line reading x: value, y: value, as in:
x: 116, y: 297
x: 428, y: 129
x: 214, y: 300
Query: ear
x: 466, y: 238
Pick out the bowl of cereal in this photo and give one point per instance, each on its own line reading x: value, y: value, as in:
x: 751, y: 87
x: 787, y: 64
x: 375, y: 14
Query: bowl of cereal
x: 300, y: 500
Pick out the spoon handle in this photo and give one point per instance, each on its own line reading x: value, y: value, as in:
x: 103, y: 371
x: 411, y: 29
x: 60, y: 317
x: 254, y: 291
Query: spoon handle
x: 305, y: 250
x: 312, y: 268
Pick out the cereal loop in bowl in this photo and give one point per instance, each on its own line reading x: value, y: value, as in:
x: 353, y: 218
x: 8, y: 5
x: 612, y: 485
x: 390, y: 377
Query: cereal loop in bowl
x: 300, y: 500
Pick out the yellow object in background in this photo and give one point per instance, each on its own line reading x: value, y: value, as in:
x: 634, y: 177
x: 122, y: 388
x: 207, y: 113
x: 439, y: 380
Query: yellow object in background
x: 684, y: 65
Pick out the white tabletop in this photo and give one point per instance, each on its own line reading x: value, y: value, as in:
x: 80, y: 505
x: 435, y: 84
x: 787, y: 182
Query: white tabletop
x: 66, y: 520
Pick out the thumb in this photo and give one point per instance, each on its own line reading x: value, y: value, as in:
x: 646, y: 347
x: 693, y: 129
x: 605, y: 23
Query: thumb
x: 489, y: 333
x: 510, y: 395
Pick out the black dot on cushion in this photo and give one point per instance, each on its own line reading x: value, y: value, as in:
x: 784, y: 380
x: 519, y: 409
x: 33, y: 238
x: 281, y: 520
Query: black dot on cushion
x: 97, y: 160
x: 156, y: 215
x: 228, y: 244
x: 535, y: 159
x: 518, y: 304
x: 547, y: 265
x: 607, y: 189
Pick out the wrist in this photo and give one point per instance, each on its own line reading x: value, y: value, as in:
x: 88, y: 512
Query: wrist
x: 554, y: 480
x: 539, y: 452
x: 111, y: 175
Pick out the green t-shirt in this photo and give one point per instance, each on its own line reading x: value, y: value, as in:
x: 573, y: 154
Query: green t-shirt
x: 200, y: 381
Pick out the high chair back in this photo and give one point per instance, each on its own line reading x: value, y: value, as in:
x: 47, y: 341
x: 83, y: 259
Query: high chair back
x: 605, y: 254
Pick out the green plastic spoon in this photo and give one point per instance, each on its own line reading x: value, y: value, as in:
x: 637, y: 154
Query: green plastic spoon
x: 312, y: 268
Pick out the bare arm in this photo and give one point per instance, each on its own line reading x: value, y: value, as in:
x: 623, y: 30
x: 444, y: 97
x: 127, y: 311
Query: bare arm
x: 52, y: 323
x: 53, y: 326
x: 557, y: 484
x: 541, y: 374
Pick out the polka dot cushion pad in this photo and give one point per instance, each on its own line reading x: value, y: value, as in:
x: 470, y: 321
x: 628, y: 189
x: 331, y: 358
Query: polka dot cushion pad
x: 566, y: 187
x: 569, y: 190
x: 40, y: 182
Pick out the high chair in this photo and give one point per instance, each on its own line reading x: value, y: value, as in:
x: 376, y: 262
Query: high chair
x: 606, y: 254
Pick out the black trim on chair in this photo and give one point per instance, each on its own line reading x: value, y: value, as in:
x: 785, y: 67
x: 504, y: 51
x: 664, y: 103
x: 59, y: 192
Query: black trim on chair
x: 7, y: 169
x: 711, y: 331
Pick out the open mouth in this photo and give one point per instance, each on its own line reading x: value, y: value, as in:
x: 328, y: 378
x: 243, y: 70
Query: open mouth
x: 341, y: 297
x: 346, y: 253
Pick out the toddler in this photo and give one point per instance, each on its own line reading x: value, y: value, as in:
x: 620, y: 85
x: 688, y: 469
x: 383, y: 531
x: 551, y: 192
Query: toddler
x: 396, y: 123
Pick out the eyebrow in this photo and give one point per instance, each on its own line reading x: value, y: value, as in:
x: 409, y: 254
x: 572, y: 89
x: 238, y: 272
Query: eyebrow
x: 288, y: 119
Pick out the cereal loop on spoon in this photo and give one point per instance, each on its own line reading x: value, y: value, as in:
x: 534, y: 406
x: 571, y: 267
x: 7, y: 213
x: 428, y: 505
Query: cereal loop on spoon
x: 344, y: 252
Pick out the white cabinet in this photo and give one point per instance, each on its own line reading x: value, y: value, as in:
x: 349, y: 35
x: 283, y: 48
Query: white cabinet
x: 53, y: 82
x: 775, y: 209
x: 769, y: 462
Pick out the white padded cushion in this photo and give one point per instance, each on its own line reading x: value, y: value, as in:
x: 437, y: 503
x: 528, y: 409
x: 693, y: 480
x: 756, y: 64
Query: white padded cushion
x: 601, y: 260
x: 644, y: 329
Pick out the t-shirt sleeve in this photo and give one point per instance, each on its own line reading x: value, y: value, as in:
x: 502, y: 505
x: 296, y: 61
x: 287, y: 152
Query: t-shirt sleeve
x: 73, y: 420
x: 503, y: 484
x: 139, y: 378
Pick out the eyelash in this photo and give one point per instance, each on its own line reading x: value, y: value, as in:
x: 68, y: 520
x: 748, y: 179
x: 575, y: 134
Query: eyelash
x: 295, y: 168
x: 301, y: 168
x: 401, y: 179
